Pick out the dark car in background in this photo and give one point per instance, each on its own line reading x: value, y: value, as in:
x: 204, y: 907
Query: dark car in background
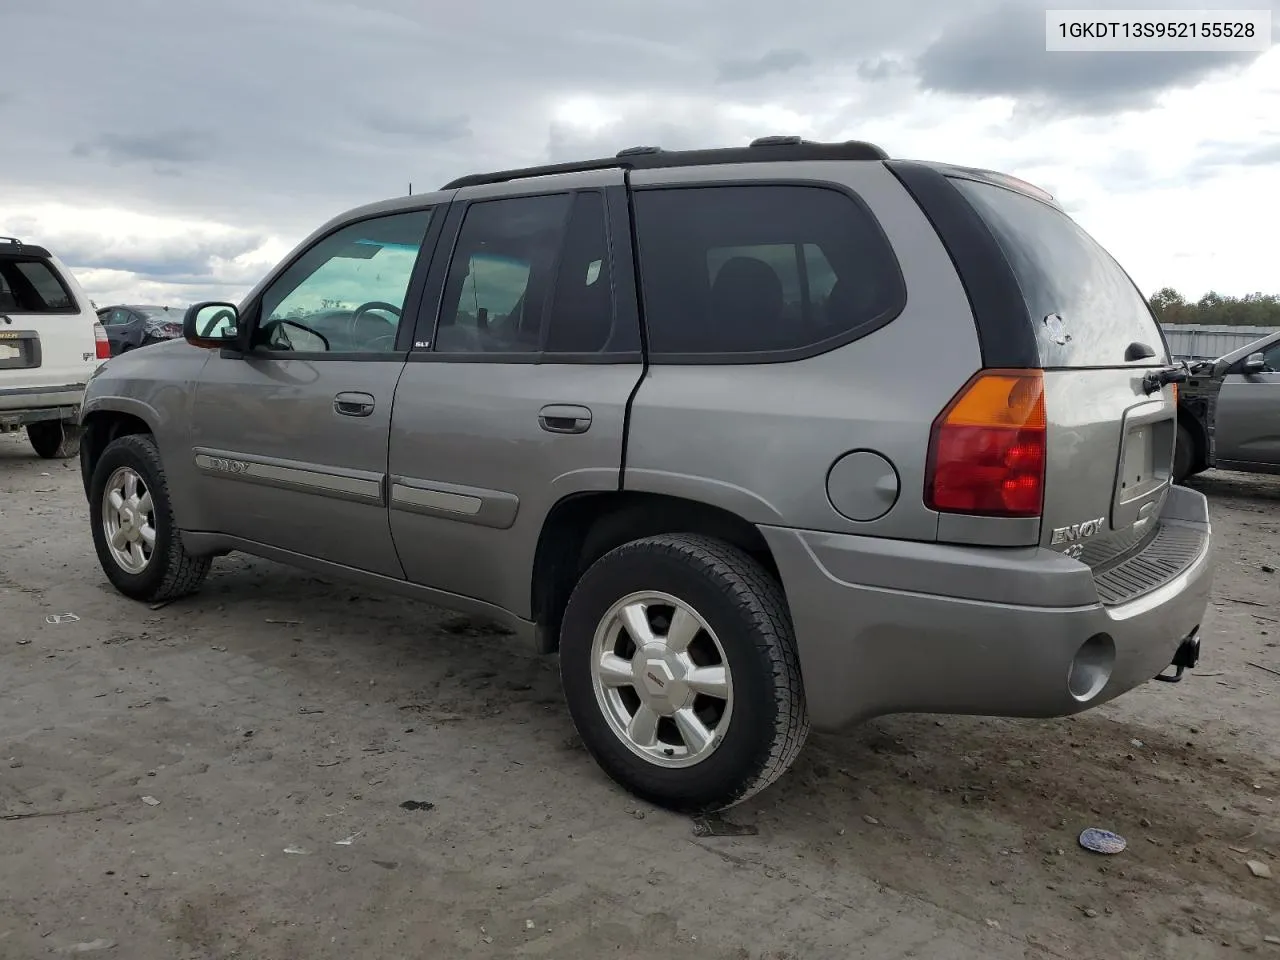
x: 1229, y: 412
x: 130, y: 326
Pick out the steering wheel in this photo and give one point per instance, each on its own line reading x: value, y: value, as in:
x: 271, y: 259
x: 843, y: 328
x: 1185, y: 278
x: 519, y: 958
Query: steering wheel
x: 217, y: 318
x: 364, y: 308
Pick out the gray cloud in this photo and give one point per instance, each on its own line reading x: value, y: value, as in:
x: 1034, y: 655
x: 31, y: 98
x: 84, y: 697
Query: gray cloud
x: 1216, y: 157
x: 881, y: 68
x: 172, y: 147
x: 1000, y: 52
x: 291, y: 111
x: 1261, y: 156
x: 775, y: 61
x: 425, y: 128
x: 166, y: 257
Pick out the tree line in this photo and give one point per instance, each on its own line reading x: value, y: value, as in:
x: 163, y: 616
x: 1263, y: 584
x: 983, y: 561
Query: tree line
x: 1251, y: 310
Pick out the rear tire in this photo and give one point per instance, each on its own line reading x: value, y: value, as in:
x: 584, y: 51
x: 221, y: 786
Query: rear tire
x: 139, y: 545
x: 54, y: 439
x: 740, y: 646
x: 1184, y: 451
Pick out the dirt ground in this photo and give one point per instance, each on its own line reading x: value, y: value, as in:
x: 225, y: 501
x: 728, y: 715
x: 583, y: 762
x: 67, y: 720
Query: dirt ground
x: 224, y: 778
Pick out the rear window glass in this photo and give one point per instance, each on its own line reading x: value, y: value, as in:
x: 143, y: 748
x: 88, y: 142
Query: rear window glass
x: 32, y: 286
x: 763, y: 269
x: 1064, y: 273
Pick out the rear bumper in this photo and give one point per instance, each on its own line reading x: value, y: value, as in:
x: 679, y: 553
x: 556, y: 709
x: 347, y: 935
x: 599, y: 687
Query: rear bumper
x: 16, y: 400
x: 894, y: 626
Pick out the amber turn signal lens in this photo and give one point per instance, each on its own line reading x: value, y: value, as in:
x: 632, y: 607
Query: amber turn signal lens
x: 987, y: 449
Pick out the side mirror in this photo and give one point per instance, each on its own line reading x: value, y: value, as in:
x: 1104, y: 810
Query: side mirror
x: 211, y: 323
x: 1255, y: 363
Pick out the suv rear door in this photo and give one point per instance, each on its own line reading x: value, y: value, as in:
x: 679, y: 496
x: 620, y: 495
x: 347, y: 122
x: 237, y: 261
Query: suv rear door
x: 46, y: 324
x: 515, y: 394
x: 1110, y: 439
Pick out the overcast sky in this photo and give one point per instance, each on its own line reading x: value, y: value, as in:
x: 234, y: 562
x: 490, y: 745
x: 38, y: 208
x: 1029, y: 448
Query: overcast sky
x: 173, y: 151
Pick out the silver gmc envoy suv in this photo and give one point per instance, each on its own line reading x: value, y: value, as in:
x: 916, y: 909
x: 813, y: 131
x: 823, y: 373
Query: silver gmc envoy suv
x: 754, y: 438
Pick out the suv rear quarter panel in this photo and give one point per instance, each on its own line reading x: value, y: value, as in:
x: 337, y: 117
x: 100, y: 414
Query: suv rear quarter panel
x: 759, y: 439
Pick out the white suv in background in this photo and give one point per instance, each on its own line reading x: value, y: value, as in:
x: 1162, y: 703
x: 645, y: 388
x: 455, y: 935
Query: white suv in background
x: 50, y: 344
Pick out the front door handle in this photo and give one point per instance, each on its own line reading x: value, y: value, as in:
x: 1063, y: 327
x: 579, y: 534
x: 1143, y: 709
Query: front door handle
x: 353, y: 404
x: 564, y: 418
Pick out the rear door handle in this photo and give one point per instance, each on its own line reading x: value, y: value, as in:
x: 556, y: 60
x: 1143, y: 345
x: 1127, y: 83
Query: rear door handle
x: 564, y: 418
x: 353, y: 404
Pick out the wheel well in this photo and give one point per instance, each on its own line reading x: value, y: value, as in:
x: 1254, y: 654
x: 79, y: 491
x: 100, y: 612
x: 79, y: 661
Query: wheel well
x: 100, y: 428
x: 1196, y: 429
x: 581, y: 529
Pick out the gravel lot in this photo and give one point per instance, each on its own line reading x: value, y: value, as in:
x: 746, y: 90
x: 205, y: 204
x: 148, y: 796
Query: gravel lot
x: 224, y: 777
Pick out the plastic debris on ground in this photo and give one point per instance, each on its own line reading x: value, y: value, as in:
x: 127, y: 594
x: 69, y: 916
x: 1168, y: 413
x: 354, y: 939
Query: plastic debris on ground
x: 1102, y: 841
x: 715, y: 827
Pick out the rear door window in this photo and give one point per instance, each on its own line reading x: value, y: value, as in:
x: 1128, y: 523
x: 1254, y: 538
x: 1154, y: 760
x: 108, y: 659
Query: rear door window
x: 1085, y: 308
x: 33, y: 286
x: 761, y: 272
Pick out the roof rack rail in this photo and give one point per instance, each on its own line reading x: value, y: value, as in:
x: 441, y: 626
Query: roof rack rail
x: 12, y: 240
x: 762, y: 150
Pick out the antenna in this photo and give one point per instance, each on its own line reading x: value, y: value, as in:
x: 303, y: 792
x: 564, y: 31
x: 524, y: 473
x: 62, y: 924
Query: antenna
x: 411, y: 188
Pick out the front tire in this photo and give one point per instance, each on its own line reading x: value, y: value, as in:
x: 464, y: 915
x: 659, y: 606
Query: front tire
x: 138, y: 544
x: 54, y: 439
x: 679, y: 666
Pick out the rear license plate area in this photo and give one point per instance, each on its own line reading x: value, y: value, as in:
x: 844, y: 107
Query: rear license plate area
x: 1146, y: 460
x: 19, y: 349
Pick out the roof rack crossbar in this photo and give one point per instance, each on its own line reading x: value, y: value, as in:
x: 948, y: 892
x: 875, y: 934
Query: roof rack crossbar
x: 763, y: 150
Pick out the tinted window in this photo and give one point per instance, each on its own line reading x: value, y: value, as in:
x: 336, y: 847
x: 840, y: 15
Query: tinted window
x: 501, y: 275
x: 32, y: 286
x: 582, y: 316
x: 1063, y: 271
x: 761, y: 269
x: 345, y: 294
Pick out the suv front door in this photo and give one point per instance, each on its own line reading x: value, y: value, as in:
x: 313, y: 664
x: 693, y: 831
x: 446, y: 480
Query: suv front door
x: 1247, y: 419
x: 517, y: 398
x: 290, y: 437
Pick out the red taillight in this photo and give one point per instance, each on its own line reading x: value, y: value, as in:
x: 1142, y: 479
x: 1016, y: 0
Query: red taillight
x: 987, y: 449
x: 101, y: 345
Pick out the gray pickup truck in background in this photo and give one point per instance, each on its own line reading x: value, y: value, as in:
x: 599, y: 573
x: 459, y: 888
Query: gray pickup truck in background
x: 1229, y: 412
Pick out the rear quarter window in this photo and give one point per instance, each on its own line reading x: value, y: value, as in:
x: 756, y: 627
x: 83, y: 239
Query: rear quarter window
x: 764, y: 272
x: 1063, y: 272
x: 33, y: 286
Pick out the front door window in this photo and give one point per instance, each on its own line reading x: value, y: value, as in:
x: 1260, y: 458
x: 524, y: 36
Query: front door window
x: 346, y: 294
